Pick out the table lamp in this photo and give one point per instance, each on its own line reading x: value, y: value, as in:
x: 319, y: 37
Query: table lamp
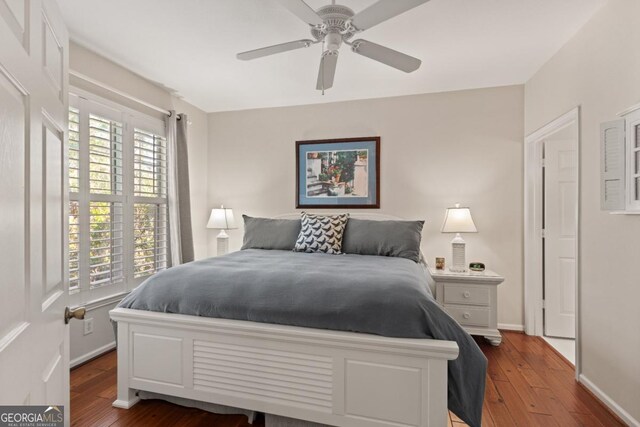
x: 222, y: 219
x: 458, y: 220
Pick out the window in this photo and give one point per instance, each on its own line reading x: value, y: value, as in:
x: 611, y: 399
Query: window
x: 118, y: 220
x: 620, y: 163
x: 150, y: 209
x: 633, y: 161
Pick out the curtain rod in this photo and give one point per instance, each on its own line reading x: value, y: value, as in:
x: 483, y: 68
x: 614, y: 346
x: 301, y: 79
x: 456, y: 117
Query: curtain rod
x: 119, y: 92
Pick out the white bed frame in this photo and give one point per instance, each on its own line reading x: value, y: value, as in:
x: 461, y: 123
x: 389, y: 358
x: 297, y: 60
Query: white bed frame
x: 329, y: 377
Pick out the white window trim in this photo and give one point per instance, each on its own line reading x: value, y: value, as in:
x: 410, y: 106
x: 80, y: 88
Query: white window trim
x: 86, y: 101
x: 632, y: 120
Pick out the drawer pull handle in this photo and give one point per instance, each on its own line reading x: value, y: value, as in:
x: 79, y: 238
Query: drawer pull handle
x: 466, y: 315
x: 466, y: 294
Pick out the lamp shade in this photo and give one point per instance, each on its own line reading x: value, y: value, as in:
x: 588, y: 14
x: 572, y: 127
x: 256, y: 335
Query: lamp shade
x: 458, y: 220
x: 222, y: 219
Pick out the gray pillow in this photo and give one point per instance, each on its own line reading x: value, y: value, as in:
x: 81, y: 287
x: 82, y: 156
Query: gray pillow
x: 268, y: 233
x: 384, y: 238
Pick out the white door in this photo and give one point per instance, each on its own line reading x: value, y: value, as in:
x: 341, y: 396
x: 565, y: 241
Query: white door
x: 34, y: 340
x: 561, y: 204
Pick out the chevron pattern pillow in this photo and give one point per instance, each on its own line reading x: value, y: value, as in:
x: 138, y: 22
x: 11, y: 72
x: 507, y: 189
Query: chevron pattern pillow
x: 321, y: 233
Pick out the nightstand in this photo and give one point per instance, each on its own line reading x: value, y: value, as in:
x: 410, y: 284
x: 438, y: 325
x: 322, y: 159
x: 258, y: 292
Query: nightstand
x: 472, y: 299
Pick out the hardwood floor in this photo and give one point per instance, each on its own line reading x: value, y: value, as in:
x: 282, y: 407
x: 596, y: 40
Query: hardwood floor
x: 528, y: 384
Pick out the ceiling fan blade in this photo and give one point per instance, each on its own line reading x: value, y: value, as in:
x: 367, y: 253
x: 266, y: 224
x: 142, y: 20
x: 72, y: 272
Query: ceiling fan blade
x: 387, y: 56
x: 327, y: 70
x: 302, y: 11
x: 381, y: 11
x: 277, y: 48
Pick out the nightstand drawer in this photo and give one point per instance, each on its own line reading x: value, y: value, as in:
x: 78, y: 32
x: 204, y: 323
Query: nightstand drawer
x: 469, y: 316
x: 467, y: 294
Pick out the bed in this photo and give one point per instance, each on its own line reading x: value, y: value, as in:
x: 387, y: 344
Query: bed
x: 341, y: 341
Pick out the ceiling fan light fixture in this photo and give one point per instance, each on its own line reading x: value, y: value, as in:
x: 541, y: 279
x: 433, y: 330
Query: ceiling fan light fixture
x: 333, y: 41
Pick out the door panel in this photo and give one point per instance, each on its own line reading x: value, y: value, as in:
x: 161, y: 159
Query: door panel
x: 34, y: 340
x: 53, y: 190
x: 15, y: 16
x: 560, y: 237
x: 13, y: 287
x: 52, y: 55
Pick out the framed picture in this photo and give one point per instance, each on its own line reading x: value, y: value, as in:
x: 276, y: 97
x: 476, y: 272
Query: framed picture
x: 338, y: 173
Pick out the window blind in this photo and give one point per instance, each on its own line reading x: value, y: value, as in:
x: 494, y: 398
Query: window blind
x: 105, y: 156
x: 150, y: 237
x: 74, y: 150
x: 106, y: 247
x: 74, y: 245
x: 118, y: 219
x: 150, y: 164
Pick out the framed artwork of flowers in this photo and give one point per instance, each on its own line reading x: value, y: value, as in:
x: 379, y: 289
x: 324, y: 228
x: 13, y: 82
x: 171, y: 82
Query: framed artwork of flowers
x: 338, y: 173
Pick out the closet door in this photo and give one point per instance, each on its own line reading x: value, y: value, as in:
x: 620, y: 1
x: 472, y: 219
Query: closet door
x: 561, y: 203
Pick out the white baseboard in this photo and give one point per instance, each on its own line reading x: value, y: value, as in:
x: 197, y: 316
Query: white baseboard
x: 610, y: 403
x: 510, y: 327
x: 95, y: 353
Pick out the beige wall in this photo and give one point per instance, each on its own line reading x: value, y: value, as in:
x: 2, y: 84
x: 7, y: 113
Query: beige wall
x: 599, y: 70
x: 436, y: 150
x: 98, y: 68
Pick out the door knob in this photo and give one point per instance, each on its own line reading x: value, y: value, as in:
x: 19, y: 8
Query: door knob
x: 77, y: 313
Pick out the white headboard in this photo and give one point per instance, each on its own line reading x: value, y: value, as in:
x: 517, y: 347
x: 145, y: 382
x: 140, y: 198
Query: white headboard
x: 358, y: 215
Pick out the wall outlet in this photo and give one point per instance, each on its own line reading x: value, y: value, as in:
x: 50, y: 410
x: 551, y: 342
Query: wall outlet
x: 88, y: 326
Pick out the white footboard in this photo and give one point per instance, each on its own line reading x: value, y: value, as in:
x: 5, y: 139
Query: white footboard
x: 335, y: 378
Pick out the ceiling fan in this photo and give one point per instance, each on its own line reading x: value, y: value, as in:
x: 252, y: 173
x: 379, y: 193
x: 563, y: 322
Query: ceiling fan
x: 335, y: 24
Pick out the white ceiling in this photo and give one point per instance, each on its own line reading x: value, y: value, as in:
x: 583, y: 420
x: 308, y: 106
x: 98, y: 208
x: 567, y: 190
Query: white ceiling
x: 190, y: 46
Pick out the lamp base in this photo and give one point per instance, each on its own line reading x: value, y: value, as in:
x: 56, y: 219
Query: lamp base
x: 223, y: 243
x: 458, y: 263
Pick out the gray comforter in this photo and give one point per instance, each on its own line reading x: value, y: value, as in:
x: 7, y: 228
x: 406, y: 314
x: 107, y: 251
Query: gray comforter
x: 369, y: 294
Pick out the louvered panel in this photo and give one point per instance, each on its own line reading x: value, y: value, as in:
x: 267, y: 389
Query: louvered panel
x: 106, y: 244
x: 232, y: 364
x: 150, y: 238
x: 74, y: 245
x: 612, y: 165
x: 282, y: 376
x: 150, y: 164
x: 105, y: 156
x: 74, y: 150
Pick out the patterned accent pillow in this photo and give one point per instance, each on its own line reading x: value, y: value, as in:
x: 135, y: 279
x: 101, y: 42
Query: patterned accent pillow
x: 321, y: 233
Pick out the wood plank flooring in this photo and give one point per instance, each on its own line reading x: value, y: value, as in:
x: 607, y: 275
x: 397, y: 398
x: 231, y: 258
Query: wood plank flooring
x: 528, y: 384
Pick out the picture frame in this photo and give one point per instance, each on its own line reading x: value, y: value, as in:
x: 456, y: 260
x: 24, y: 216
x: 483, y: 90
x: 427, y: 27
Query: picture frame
x: 342, y: 173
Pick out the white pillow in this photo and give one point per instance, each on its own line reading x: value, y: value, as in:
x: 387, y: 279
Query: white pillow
x: 321, y: 233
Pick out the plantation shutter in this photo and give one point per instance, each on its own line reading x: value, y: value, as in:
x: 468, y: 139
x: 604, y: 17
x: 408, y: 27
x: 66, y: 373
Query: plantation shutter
x: 150, y: 209
x: 633, y: 160
x: 118, y: 206
x: 97, y: 230
x: 74, y: 206
x: 612, y: 168
x: 105, y: 201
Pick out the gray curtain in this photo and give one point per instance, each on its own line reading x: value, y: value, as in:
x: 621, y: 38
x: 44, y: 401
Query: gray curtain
x: 180, y: 234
